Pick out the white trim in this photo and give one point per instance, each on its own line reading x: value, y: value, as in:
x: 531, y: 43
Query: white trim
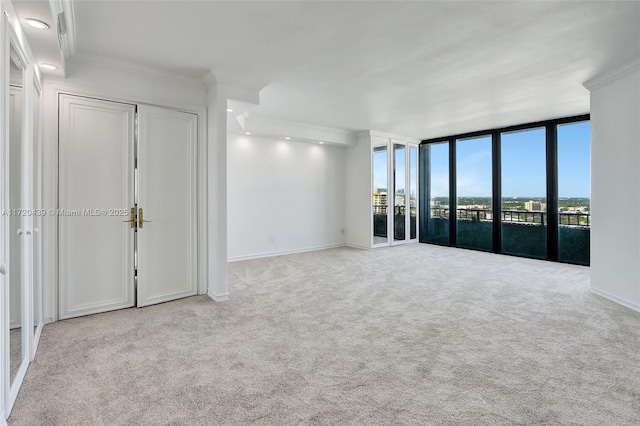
x: 617, y: 299
x: 385, y: 135
x: 3, y: 420
x: 355, y: 246
x: 611, y: 76
x: 218, y: 298
x: 15, y: 386
x: 283, y: 253
x: 136, y: 69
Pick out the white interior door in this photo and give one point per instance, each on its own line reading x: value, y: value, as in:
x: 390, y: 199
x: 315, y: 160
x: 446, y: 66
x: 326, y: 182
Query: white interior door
x: 96, y: 248
x: 167, y: 199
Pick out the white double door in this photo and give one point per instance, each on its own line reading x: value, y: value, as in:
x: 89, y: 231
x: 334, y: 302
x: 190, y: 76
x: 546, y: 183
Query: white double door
x: 127, y: 205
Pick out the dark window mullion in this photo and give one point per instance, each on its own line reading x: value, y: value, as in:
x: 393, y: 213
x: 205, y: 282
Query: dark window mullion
x: 552, y: 191
x: 453, y: 197
x: 497, y: 192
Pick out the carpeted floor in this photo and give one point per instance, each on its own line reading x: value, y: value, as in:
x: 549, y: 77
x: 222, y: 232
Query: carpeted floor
x: 414, y: 334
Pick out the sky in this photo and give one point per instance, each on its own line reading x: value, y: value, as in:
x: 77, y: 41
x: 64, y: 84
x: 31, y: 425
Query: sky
x: 523, y: 164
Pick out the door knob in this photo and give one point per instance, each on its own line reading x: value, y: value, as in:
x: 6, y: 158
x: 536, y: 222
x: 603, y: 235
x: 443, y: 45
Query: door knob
x: 140, y: 218
x: 132, y: 218
x: 19, y: 231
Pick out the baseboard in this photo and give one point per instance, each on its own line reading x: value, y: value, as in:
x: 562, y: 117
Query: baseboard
x: 3, y: 421
x: 616, y: 299
x: 283, y: 253
x: 355, y: 246
x: 218, y: 297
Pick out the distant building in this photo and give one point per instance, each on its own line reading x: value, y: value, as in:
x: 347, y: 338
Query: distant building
x: 536, y: 206
x: 380, y: 202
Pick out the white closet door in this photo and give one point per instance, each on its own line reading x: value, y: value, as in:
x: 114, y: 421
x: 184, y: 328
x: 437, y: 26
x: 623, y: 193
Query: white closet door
x: 96, y: 252
x: 167, y: 199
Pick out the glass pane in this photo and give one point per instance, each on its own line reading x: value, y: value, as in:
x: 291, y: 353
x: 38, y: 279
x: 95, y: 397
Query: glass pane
x: 15, y: 202
x: 524, y: 189
x: 399, y: 193
x: 413, y: 192
x: 474, y: 191
x: 435, y: 168
x: 380, y: 182
x: 574, y: 192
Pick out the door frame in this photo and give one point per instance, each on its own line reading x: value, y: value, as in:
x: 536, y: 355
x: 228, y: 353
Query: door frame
x: 52, y: 89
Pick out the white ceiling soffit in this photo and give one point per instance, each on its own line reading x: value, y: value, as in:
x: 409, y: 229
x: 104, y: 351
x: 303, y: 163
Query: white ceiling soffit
x: 420, y: 69
x: 263, y: 126
x: 43, y: 42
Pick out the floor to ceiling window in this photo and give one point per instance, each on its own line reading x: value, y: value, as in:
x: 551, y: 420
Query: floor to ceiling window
x: 574, y: 191
x: 399, y: 191
x: 434, y: 159
x: 474, y: 216
x: 380, y: 198
x: 524, y: 189
x: 521, y: 190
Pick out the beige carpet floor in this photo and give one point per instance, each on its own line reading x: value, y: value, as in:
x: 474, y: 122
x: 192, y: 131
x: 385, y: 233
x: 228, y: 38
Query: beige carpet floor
x: 415, y: 334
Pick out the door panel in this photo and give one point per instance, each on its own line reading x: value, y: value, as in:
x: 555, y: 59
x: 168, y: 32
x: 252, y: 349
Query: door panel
x: 96, y: 172
x: 15, y: 202
x: 167, y: 197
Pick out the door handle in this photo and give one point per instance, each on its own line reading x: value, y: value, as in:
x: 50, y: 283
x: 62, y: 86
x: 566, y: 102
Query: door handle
x: 132, y: 218
x: 141, y: 220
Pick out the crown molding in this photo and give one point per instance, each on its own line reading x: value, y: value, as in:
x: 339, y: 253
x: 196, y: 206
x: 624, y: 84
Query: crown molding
x: 137, y: 69
x: 68, y: 39
x: 385, y: 135
x: 613, y: 75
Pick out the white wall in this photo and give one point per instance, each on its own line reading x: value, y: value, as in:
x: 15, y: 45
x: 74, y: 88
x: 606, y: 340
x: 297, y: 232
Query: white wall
x: 283, y: 196
x: 359, y: 193
x: 615, y: 185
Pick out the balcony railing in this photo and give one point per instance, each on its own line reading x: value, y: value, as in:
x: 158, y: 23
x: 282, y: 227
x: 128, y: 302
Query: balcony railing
x: 518, y: 216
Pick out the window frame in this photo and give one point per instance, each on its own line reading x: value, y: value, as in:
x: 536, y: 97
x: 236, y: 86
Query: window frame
x: 551, y: 131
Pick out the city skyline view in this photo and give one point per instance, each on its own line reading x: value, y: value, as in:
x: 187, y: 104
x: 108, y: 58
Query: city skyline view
x: 523, y: 159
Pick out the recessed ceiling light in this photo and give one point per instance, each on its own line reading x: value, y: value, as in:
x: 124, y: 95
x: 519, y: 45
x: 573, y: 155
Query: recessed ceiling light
x: 321, y: 143
x: 229, y: 110
x: 288, y: 138
x: 49, y: 66
x: 37, y: 24
x: 247, y: 133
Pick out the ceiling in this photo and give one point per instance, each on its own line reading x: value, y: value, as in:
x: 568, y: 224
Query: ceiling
x: 419, y: 69
x: 43, y: 43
